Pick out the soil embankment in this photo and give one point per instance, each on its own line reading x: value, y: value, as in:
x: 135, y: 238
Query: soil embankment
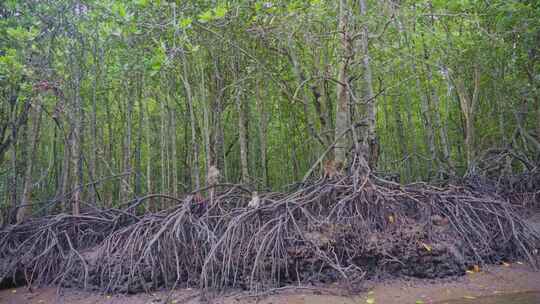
x: 494, y: 280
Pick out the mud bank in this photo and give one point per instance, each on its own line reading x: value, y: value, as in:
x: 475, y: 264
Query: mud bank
x: 494, y: 280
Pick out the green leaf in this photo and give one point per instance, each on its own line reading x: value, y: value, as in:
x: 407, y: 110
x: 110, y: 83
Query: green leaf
x: 120, y: 9
x: 220, y: 11
x: 185, y: 23
x: 206, y: 17
x: 142, y: 3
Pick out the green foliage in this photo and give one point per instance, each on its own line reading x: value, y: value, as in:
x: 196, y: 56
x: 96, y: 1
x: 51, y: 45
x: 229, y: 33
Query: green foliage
x: 282, y: 54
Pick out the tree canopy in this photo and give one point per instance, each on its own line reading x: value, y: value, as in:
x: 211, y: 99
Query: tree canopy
x: 103, y: 101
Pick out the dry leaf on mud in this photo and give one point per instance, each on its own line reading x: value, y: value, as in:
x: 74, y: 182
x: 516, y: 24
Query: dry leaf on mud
x: 428, y: 248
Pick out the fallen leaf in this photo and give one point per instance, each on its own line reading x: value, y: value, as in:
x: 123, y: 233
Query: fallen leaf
x: 506, y: 264
x: 469, y: 271
x: 14, y: 291
x: 469, y: 297
x: 108, y: 296
x: 41, y: 301
x: 476, y: 268
x: 428, y: 248
x: 370, y: 292
x: 419, y: 302
x: 520, y: 263
x: 391, y: 219
x: 370, y: 301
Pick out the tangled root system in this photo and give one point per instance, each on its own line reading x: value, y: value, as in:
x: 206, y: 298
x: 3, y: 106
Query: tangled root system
x: 346, y: 230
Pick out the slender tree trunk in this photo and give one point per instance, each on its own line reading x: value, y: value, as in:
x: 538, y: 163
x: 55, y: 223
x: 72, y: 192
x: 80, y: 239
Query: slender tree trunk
x: 76, y: 139
x: 428, y: 125
x: 438, y: 125
x: 149, y: 188
x: 110, y: 149
x: 138, y: 160
x: 468, y: 106
x: 371, y: 107
x: 195, y: 146
x: 65, y: 175
x: 342, y: 110
x: 93, y: 163
x: 13, y: 178
x: 263, y: 128
x: 25, y: 208
x: 210, y: 161
x: 174, y: 156
x: 242, y: 134
x: 162, y: 153
x: 219, y: 137
x: 126, y: 157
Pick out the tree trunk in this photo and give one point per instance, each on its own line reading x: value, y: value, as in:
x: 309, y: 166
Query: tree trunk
x: 342, y: 110
x: 126, y: 155
x: 468, y: 106
x: 263, y: 128
x: 428, y: 125
x: 219, y: 137
x: 194, y: 143
x: 151, y: 204
x: 162, y: 153
x: 242, y: 135
x: 371, y: 107
x: 25, y: 208
x: 76, y: 140
x: 174, y: 161
x: 138, y: 160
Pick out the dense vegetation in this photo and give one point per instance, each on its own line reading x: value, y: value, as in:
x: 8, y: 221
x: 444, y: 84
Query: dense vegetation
x: 103, y: 101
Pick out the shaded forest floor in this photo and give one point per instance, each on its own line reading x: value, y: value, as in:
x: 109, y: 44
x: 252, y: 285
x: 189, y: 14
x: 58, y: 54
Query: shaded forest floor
x: 493, y: 280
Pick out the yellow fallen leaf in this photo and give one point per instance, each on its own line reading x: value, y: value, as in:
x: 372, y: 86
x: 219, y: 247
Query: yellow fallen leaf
x: 370, y: 292
x: 174, y: 301
x: 476, y: 268
x: 391, y: 219
x: 108, y: 296
x: 506, y: 264
x: 469, y: 271
x: 428, y: 248
x: 419, y: 302
x: 370, y: 301
x: 469, y: 297
x: 14, y: 291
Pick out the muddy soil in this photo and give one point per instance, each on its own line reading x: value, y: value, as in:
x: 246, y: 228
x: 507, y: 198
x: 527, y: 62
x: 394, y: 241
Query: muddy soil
x: 495, y: 280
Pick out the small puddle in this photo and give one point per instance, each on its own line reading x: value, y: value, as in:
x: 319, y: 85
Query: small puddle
x: 513, y: 298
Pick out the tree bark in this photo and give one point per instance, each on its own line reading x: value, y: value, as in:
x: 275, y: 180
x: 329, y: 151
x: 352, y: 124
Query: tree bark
x: 25, y: 208
x: 428, y: 125
x: 126, y: 153
x: 242, y: 134
x: 371, y: 108
x: 468, y: 107
x: 263, y: 128
x: 342, y: 109
x: 195, y: 146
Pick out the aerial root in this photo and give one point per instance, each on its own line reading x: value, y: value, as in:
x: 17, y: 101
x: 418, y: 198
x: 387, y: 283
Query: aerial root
x: 343, y: 230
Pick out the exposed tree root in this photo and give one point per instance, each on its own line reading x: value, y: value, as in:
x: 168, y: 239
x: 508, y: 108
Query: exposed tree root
x: 346, y: 230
